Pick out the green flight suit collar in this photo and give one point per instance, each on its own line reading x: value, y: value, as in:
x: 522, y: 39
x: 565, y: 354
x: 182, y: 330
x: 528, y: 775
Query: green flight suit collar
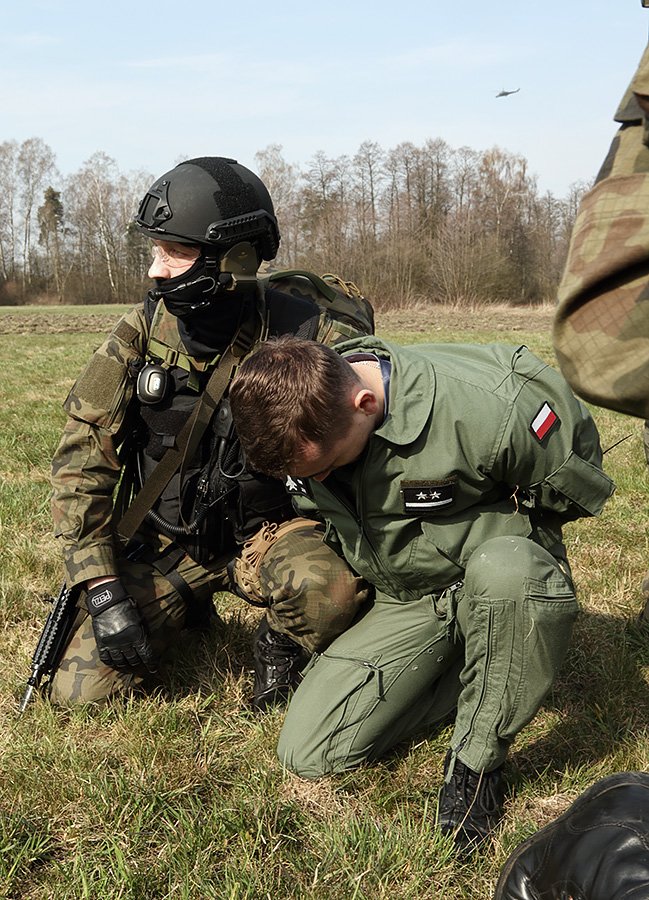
x: 412, y: 389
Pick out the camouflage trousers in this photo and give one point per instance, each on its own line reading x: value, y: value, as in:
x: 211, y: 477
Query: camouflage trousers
x: 309, y: 593
x: 644, y: 588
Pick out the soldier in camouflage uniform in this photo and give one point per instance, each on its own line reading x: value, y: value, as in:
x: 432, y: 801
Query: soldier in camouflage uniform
x: 601, y: 328
x: 150, y: 413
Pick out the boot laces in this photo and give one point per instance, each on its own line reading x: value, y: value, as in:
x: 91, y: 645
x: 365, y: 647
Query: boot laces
x: 472, y: 800
x: 279, y: 654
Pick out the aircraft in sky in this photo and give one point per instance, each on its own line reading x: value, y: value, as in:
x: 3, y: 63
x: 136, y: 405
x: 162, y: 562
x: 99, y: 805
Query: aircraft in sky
x: 505, y: 93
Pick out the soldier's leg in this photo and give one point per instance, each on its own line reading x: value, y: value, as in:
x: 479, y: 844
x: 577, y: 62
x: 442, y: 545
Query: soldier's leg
x: 515, y: 614
x: 311, y: 593
x: 163, y: 599
x: 644, y: 587
x: 392, y: 674
x: 396, y: 671
x: 311, y: 596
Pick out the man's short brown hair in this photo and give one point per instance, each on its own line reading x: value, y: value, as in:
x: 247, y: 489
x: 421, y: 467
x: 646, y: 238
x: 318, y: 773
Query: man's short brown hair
x: 288, y: 393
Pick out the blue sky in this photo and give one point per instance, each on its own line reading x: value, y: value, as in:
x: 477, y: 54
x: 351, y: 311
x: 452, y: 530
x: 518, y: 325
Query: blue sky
x: 151, y: 83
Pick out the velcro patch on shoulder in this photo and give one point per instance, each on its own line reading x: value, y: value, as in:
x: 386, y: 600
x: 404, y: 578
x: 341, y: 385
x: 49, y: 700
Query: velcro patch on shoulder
x: 99, y: 382
x: 425, y: 496
x: 544, y: 422
x: 125, y: 332
x: 298, y: 487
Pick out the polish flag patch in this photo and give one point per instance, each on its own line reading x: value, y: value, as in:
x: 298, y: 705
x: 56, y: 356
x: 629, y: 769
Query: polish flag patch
x: 544, y: 422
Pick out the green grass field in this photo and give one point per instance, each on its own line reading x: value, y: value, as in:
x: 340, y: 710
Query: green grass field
x: 180, y: 795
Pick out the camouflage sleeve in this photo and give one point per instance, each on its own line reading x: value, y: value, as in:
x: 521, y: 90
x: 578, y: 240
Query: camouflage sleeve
x: 601, y: 328
x: 85, y: 468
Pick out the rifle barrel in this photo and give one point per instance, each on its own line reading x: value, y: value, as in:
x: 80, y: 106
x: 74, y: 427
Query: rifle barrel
x: 27, y: 696
x: 52, y: 641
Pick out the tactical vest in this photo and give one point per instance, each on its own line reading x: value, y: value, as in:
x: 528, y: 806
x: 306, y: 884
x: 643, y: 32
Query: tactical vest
x: 219, y: 503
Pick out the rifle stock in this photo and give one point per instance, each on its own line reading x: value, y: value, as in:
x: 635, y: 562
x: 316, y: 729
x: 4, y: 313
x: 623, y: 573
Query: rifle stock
x: 52, y: 641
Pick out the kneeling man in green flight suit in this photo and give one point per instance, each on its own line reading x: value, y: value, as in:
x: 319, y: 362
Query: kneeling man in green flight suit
x: 443, y: 474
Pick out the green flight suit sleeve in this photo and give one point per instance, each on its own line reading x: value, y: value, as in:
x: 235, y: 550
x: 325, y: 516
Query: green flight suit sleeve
x: 550, y: 454
x: 601, y: 327
x: 86, y: 468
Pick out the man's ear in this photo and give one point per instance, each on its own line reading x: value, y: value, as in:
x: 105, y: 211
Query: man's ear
x: 366, y: 401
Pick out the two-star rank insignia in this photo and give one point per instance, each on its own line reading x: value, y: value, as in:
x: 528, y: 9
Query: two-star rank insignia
x: 297, y: 487
x: 420, y: 497
x: 544, y: 422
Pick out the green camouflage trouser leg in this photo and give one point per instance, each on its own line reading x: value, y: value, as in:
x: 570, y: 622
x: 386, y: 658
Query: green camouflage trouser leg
x: 311, y: 595
x: 82, y: 676
x: 490, y: 646
x: 644, y: 588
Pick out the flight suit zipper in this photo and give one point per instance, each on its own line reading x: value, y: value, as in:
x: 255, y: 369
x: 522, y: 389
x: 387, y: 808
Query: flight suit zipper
x: 365, y: 541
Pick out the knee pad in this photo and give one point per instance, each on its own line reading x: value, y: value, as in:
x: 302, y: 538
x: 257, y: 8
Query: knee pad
x: 500, y: 566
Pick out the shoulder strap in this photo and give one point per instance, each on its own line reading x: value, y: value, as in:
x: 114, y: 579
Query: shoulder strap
x: 318, y: 283
x: 169, y: 355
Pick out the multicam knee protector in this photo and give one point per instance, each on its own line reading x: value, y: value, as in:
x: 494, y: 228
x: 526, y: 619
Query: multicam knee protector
x: 245, y: 568
x: 311, y: 593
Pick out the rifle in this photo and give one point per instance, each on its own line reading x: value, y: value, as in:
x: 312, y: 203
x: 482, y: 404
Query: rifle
x: 53, y: 640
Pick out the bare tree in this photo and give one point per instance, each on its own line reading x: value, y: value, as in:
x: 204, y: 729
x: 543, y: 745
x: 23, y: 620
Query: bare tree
x: 92, y: 200
x: 281, y: 179
x: 324, y: 213
x: 134, y: 256
x: 35, y: 167
x: 8, y: 211
x: 368, y: 177
x: 505, y: 202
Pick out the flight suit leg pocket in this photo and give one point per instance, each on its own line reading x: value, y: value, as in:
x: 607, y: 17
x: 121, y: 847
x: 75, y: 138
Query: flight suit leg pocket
x: 336, y: 696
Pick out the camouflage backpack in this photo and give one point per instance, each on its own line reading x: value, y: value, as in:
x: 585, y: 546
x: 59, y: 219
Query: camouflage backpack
x: 345, y: 312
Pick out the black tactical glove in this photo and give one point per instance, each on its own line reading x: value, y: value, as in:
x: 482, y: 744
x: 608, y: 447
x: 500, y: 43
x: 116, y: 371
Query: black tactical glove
x: 120, y: 631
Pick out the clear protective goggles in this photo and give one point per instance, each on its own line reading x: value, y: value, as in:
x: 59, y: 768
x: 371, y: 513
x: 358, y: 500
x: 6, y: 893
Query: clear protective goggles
x: 175, y: 258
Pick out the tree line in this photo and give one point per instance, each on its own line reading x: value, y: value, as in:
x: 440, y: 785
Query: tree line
x: 415, y: 223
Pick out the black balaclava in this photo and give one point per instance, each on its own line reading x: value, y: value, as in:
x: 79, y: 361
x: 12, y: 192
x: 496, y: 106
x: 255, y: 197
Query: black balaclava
x: 207, y: 316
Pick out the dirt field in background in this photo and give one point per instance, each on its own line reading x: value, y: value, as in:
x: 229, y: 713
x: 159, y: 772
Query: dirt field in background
x: 53, y: 323
x: 481, y: 318
x: 417, y: 319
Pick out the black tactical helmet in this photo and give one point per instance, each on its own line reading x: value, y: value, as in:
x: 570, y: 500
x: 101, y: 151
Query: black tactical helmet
x: 210, y: 200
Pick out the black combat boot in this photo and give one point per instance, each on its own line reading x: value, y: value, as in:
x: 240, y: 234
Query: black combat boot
x: 278, y: 667
x: 470, y: 804
x: 598, y: 849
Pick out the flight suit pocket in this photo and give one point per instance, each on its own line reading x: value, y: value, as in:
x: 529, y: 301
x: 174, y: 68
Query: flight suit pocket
x: 578, y: 488
x: 326, y: 712
x: 544, y: 625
